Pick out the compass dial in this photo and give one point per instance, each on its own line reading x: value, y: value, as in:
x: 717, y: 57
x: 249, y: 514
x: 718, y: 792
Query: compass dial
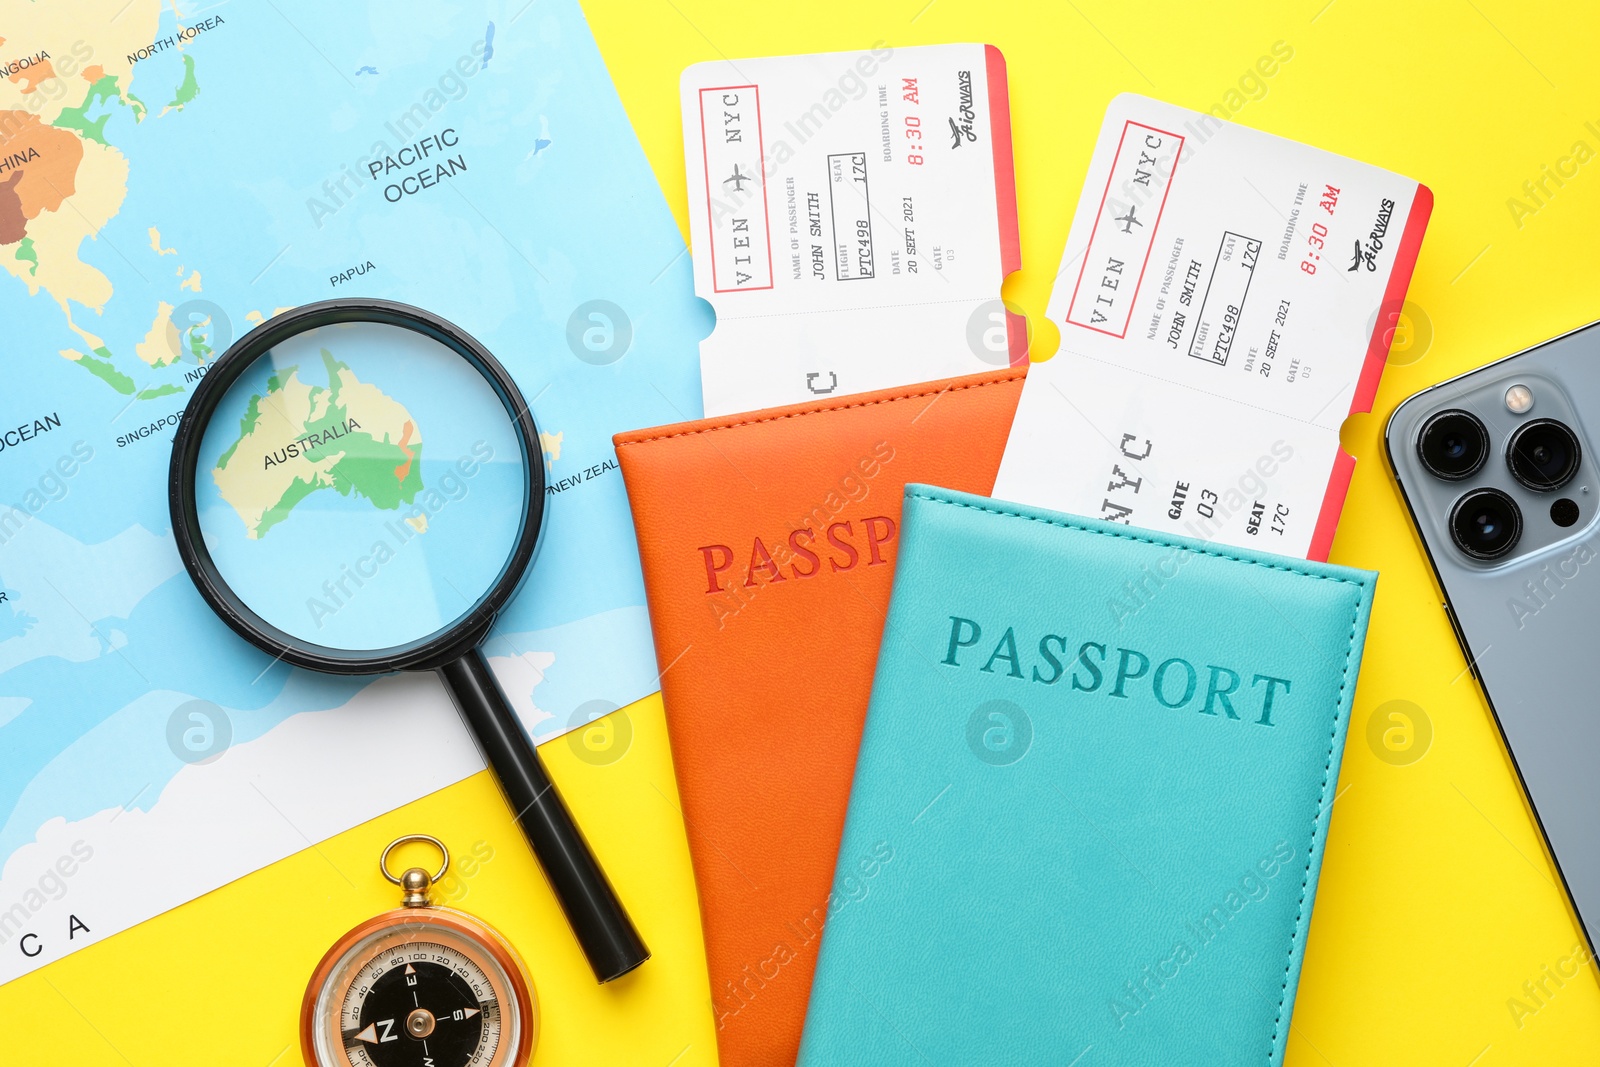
x: 420, y: 990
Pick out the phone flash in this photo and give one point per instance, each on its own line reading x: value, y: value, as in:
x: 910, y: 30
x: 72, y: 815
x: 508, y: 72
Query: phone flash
x: 1519, y: 398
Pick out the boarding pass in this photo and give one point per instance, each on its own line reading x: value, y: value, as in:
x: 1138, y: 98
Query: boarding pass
x: 1226, y: 299
x: 852, y: 217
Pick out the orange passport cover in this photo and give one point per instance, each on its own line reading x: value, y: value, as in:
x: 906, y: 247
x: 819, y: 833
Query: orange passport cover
x: 768, y: 540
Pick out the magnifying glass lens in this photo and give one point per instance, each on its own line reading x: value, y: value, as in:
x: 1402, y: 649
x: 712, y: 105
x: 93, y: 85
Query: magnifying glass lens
x: 361, y: 486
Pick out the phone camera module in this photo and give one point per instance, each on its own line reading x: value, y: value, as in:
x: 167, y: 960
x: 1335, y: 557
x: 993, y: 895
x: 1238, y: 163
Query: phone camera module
x: 1453, y: 444
x: 1543, y: 455
x: 1485, y: 524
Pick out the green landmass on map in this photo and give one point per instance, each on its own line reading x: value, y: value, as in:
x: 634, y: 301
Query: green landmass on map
x: 77, y: 118
x: 189, y: 88
x: 295, y: 439
x: 106, y: 371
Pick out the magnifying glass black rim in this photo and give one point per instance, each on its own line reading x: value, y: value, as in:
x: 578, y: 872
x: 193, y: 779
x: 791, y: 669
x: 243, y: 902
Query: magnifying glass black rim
x: 442, y: 645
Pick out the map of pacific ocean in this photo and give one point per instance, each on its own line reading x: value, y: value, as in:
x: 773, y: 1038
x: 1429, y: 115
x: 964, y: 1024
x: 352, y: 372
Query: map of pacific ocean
x: 171, y: 178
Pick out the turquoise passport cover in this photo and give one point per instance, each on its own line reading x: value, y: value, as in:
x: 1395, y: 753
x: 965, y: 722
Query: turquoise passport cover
x: 1092, y: 796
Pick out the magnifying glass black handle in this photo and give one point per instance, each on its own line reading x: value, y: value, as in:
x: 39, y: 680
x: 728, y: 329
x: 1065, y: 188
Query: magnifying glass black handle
x: 603, y: 929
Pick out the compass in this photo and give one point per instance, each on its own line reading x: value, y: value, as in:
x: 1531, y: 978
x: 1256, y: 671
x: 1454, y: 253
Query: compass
x: 419, y: 986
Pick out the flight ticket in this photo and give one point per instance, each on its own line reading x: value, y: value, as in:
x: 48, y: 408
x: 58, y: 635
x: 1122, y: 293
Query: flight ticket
x: 1226, y: 299
x: 852, y: 217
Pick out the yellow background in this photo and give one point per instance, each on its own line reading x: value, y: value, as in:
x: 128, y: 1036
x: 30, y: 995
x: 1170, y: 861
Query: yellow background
x: 1437, y: 902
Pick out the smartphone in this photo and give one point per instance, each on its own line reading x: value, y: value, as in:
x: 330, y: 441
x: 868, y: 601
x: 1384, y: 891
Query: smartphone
x: 1500, y: 469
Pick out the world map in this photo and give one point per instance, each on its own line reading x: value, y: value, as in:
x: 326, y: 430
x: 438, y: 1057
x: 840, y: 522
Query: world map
x: 172, y: 177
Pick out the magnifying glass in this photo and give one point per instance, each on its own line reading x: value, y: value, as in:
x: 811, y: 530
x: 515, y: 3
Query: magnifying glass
x: 356, y: 488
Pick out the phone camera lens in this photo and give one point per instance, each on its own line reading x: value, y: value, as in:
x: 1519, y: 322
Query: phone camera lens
x: 1544, y: 455
x: 1453, y: 444
x: 1486, y: 524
